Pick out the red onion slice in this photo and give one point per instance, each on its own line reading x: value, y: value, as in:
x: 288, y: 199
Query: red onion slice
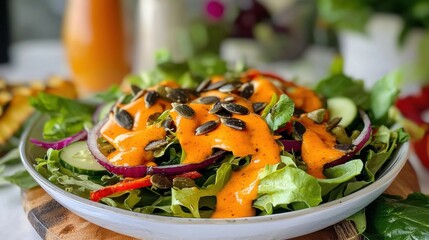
x: 291, y: 145
x: 143, y: 170
x: 359, y: 142
x: 57, y: 145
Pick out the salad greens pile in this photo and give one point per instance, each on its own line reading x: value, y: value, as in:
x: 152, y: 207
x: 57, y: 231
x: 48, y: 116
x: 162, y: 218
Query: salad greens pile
x: 283, y: 187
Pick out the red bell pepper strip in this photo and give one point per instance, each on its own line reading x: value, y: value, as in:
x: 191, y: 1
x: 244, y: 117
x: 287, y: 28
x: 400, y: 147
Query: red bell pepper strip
x: 131, y: 184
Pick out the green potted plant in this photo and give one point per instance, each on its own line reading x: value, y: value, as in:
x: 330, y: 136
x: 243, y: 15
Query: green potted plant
x: 376, y: 37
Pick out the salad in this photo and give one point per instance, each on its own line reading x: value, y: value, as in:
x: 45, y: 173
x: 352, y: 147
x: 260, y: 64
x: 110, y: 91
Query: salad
x: 238, y: 144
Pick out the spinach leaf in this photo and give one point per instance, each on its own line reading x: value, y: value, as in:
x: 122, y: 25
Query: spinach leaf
x: 390, y: 217
x: 340, y: 85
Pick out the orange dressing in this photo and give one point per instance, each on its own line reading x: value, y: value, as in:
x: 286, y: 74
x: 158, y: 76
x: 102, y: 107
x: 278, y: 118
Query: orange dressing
x: 257, y: 141
x: 304, y: 98
x: 263, y: 90
x: 130, y: 144
x: 317, y: 147
x: 235, y: 199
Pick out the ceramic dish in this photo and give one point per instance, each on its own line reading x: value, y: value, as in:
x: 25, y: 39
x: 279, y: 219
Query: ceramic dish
x: 277, y: 226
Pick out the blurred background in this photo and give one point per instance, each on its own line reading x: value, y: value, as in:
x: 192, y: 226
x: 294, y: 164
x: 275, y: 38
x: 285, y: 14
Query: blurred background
x: 298, y: 39
x: 267, y: 33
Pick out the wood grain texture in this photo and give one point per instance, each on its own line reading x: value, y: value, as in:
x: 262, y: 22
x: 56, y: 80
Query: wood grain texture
x: 52, y: 221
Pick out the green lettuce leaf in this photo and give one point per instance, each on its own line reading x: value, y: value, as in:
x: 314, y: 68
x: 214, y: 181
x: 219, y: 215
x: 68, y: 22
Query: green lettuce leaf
x: 280, y: 113
x: 192, y: 199
x: 67, y: 117
x: 282, y: 187
x: 390, y: 217
x: 383, y: 96
x: 339, y: 174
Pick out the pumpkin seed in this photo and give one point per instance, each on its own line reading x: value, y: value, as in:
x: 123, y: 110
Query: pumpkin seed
x: 208, y: 100
x: 223, y: 113
x: 341, y: 135
x: 150, y: 98
x: 168, y: 124
x: 203, y: 85
x: 177, y: 95
x: 228, y: 88
x: 216, y: 108
x: 258, y: 106
x: 135, y: 89
x: 297, y: 112
x: 184, y: 110
x: 161, y: 181
x: 298, y: 130
x: 206, y: 127
x: 333, y: 123
x: 162, y: 91
x: 155, y: 145
x: 138, y: 95
x: 234, y: 123
x: 247, y: 91
x: 229, y: 99
x: 124, y: 119
x: 153, y: 118
x: 317, y: 115
x: 183, y: 182
x: 235, y: 108
x: 216, y: 85
x: 344, y: 147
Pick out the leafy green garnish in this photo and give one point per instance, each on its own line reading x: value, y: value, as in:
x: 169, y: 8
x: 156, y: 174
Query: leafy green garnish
x: 188, y: 74
x: 67, y: 116
x: 390, y: 217
x: 280, y: 113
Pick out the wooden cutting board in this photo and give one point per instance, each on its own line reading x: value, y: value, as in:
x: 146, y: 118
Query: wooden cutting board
x: 53, y: 221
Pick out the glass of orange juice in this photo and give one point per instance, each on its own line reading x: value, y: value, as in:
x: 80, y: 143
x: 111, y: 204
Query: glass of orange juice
x: 95, y: 42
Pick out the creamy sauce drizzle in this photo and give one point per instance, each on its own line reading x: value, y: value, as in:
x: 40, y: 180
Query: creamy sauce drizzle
x: 235, y: 199
x: 130, y: 144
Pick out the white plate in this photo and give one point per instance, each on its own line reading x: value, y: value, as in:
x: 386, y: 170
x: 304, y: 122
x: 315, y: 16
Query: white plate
x: 278, y: 226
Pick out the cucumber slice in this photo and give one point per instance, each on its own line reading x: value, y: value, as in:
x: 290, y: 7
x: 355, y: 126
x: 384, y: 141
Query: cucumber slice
x: 79, y: 159
x: 342, y: 107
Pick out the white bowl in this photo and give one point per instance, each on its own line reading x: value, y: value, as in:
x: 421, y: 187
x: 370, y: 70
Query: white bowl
x: 277, y: 226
